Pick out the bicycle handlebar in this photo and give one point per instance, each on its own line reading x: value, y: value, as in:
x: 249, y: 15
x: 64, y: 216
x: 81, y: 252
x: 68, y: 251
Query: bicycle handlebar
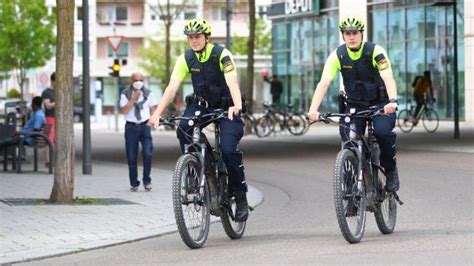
x: 372, y: 112
x: 216, y: 115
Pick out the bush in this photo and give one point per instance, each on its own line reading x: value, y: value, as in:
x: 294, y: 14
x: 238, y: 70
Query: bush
x: 13, y: 93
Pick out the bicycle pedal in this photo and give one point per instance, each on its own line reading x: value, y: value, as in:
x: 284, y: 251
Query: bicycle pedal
x: 251, y: 208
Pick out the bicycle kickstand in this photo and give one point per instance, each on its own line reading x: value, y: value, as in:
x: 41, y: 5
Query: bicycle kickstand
x: 397, y: 198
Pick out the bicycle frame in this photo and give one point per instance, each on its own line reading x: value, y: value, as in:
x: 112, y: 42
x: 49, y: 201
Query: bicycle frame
x: 362, y: 147
x: 202, y: 149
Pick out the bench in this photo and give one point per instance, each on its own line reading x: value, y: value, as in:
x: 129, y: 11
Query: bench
x: 41, y: 140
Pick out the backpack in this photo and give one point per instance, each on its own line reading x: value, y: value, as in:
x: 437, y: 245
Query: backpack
x: 413, y: 84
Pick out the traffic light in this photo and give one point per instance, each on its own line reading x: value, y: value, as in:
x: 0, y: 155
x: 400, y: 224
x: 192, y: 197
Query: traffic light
x: 115, y: 68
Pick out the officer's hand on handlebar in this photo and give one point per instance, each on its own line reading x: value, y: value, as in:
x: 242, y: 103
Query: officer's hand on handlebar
x: 390, y: 108
x: 233, y: 110
x: 154, y: 121
x: 313, y: 116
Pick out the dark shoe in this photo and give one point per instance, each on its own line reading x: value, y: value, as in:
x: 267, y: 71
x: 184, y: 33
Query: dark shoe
x: 147, y: 187
x: 393, y: 184
x: 134, y: 189
x: 242, y: 209
x: 351, y: 209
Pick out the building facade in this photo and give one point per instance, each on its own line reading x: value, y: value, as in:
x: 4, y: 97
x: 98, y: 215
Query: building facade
x: 134, y: 20
x: 417, y: 35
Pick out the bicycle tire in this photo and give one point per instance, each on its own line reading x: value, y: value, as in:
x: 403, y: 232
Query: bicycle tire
x: 345, y: 180
x: 234, y: 230
x: 430, y: 120
x: 296, y: 124
x: 386, y: 211
x: 185, y: 180
x: 405, y: 121
x: 264, y: 126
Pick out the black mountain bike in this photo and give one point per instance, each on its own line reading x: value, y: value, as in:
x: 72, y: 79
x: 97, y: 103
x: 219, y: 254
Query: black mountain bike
x: 200, y: 184
x: 358, y: 184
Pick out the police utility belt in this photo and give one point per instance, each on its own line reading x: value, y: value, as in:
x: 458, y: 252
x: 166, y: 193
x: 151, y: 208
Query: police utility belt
x: 137, y: 123
x: 382, y: 97
x: 225, y: 102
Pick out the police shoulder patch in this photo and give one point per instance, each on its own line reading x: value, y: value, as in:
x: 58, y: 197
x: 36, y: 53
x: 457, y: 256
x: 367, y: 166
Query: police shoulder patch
x: 382, y: 62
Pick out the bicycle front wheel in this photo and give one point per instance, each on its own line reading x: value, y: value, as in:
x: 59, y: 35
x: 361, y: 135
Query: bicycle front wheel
x: 430, y: 120
x: 348, y: 198
x: 296, y: 124
x: 191, y: 208
x: 386, y: 207
x: 405, y: 121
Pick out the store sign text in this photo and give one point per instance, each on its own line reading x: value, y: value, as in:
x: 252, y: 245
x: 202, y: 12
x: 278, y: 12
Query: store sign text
x: 297, y: 6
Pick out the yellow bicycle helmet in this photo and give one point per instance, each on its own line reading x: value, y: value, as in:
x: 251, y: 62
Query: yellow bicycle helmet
x: 197, y: 26
x: 351, y: 24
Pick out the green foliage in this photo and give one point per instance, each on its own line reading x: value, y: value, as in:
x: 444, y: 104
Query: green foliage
x: 26, y: 34
x: 154, y: 56
x: 263, y: 44
x: 13, y: 93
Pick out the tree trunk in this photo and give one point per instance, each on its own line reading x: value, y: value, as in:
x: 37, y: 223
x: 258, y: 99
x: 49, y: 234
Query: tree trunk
x: 250, y: 59
x: 63, y: 187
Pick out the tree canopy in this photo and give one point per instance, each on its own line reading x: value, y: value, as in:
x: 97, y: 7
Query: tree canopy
x: 263, y: 44
x: 154, y: 56
x: 26, y: 35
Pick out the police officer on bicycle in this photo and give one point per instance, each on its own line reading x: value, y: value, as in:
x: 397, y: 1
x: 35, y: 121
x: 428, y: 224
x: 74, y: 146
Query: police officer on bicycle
x: 368, y: 81
x: 214, y: 77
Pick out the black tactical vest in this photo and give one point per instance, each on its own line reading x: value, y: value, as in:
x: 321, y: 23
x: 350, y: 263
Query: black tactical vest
x: 362, y: 81
x: 208, y: 79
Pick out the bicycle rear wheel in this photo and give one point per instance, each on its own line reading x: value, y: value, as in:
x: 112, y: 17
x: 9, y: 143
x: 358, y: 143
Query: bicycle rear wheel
x: 348, y: 199
x: 234, y: 230
x: 296, y: 124
x: 191, y: 210
x: 430, y: 120
x: 405, y: 121
x: 264, y: 126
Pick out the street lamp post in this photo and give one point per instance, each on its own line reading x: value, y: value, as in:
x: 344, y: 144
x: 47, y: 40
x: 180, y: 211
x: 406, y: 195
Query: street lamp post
x: 86, y: 129
x: 228, y: 13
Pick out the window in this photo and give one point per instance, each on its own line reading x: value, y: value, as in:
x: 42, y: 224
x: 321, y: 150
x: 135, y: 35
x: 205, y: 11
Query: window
x: 121, y: 13
x: 79, y: 13
x: 121, y: 52
x: 79, y: 49
x: 112, y: 14
x: 262, y: 12
x: 219, y: 13
x: 188, y: 14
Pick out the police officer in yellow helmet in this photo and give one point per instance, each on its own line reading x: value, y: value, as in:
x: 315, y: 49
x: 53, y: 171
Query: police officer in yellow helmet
x: 214, y: 77
x: 368, y: 81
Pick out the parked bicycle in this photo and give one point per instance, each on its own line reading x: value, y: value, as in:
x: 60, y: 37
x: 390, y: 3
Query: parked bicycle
x: 407, y: 120
x: 249, y: 122
x: 274, y: 120
x: 200, y: 184
x: 358, y: 184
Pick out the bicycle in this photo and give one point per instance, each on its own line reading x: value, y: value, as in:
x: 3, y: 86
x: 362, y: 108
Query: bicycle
x: 295, y: 123
x: 358, y: 186
x: 249, y: 122
x: 200, y: 184
x: 407, y: 120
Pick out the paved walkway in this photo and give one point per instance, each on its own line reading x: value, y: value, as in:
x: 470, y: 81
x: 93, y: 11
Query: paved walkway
x: 29, y: 232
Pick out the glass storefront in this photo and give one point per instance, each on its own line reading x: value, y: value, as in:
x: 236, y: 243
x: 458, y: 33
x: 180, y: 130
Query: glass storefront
x: 300, y: 49
x: 417, y: 37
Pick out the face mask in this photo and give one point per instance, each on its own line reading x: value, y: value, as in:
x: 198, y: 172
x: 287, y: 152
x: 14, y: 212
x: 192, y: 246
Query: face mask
x: 138, y: 85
